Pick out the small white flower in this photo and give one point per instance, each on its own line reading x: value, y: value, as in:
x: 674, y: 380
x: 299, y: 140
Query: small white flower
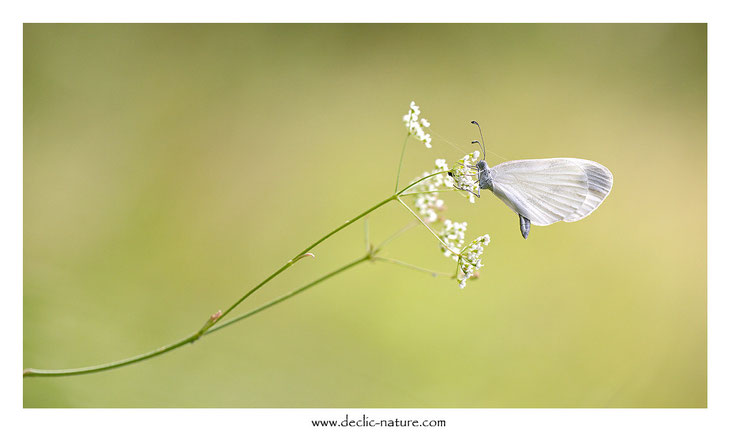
x: 465, y: 177
x: 426, y: 199
x: 453, y: 235
x: 415, y: 108
x: 470, y: 260
x: 427, y: 140
x: 414, y: 124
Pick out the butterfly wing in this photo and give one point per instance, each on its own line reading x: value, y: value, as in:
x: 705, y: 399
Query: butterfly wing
x: 550, y: 190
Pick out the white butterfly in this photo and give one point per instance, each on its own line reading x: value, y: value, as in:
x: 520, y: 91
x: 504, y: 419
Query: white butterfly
x: 545, y: 191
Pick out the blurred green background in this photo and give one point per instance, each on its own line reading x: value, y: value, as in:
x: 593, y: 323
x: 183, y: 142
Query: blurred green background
x: 169, y: 168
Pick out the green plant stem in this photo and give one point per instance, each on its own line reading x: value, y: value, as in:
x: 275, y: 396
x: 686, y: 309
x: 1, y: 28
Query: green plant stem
x: 190, y: 338
x: 397, y: 234
x: 417, y: 193
x: 401, y: 160
x: 413, y: 267
x: 307, y: 249
x: 289, y: 295
x: 219, y: 317
x: 395, y: 196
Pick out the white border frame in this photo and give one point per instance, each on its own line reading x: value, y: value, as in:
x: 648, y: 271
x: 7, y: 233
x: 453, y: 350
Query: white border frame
x: 716, y: 417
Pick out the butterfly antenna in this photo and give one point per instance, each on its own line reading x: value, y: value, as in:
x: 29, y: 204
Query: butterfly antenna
x: 482, y: 145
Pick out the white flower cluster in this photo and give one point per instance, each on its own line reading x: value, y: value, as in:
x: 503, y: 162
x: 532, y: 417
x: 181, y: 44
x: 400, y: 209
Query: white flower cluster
x: 465, y: 178
x: 428, y: 203
x: 416, y: 125
x: 427, y: 200
x: 453, y: 235
x: 470, y: 259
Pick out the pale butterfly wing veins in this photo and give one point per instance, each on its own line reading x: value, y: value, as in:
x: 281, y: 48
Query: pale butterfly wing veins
x: 546, y: 191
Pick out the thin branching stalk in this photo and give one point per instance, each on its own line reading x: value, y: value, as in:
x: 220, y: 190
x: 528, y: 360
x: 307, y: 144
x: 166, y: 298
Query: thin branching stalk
x: 290, y: 294
x: 413, y: 267
x: 427, y: 226
x: 191, y: 338
x: 431, y: 191
x: 401, y: 160
x: 210, y: 325
x: 398, y: 233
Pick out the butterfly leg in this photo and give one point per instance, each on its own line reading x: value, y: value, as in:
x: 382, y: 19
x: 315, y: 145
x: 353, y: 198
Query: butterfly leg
x: 524, y: 226
x: 475, y: 194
